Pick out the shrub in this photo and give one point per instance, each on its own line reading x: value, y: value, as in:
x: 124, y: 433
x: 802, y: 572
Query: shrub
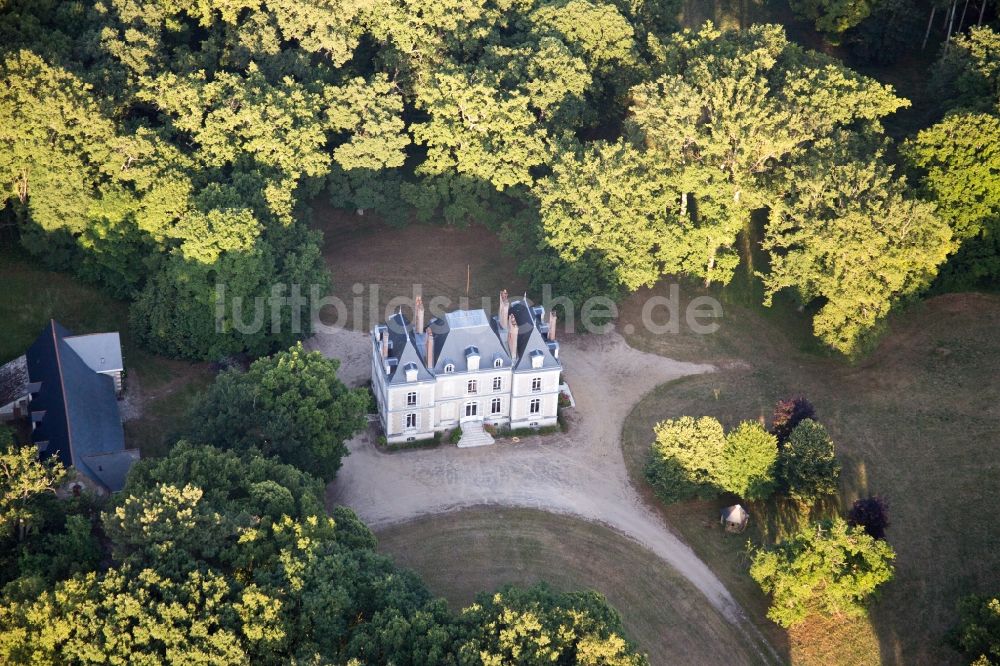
x: 871, y: 513
x: 455, y: 435
x: 788, y: 414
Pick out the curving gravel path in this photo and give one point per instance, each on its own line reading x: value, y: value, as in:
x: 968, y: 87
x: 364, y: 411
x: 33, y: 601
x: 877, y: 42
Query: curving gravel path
x: 580, y: 473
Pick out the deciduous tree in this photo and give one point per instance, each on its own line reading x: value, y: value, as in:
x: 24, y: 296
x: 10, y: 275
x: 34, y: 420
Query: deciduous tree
x: 827, y: 568
x: 290, y: 405
x: 977, y: 634
x: 686, y: 458
x: 807, y: 465
x: 849, y: 233
x: 871, y: 513
x: 23, y: 478
x: 788, y: 413
x: 833, y: 17
x: 749, y: 462
x: 537, y: 625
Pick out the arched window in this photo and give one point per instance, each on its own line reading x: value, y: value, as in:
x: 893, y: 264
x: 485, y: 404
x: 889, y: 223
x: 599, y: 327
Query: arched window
x: 498, y: 363
x: 450, y: 367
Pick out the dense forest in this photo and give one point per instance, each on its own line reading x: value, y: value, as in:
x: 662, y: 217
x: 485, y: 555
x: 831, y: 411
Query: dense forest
x: 160, y: 148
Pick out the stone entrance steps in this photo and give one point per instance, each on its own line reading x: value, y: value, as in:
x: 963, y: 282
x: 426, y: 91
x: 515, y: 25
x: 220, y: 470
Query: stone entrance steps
x: 474, y: 435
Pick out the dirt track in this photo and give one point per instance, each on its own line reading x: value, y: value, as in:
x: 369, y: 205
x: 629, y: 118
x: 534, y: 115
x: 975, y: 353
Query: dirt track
x: 580, y: 473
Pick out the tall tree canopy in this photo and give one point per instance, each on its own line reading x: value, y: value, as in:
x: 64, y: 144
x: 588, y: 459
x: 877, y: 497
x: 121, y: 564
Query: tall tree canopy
x: 219, y: 557
x: 23, y: 479
x: 848, y: 233
x: 834, y: 17
x: 728, y: 109
x: 958, y: 159
x: 829, y: 568
x: 291, y: 405
x: 169, y: 150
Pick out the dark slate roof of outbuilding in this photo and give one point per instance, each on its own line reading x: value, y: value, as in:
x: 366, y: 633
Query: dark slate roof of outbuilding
x: 112, y: 468
x: 13, y: 380
x: 81, y: 424
x: 102, y: 352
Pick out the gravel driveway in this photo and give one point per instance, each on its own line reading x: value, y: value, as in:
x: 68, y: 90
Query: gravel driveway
x: 580, y: 473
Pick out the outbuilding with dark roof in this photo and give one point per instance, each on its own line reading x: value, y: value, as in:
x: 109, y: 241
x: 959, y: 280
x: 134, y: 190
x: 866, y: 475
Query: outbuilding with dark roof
x: 74, y: 410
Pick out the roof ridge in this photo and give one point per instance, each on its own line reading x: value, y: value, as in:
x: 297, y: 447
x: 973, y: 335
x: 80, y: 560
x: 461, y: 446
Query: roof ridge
x: 62, y: 387
x: 84, y: 335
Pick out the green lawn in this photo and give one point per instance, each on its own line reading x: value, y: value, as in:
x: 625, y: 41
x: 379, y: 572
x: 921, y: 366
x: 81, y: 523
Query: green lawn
x: 917, y: 422
x: 463, y: 553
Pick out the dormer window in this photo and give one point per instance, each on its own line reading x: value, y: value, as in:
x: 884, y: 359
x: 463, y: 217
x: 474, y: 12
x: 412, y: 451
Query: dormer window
x: 472, y: 357
x: 537, y: 358
x: 498, y: 363
x: 449, y: 367
x: 411, y: 372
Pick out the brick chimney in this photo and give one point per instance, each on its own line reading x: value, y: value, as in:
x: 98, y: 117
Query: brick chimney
x: 429, y: 351
x: 384, y: 343
x: 418, y: 312
x: 552, y: 325
x: 512, y: 336
x: 504, y: 308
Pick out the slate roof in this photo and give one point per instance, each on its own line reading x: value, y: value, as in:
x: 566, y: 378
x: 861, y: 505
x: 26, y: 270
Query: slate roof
x: 531, y: 332
x: 111, y: 469
x: 457, y: 332
x: 404, y: 348
x: 81, y: 423
x: 102, y: 352
x: 463, y: 331
x: 13, y: 380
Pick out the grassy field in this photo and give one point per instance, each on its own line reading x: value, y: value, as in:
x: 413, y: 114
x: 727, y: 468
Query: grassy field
x: 461, y: 554
x: 918, y: 421
x: 162, y: 387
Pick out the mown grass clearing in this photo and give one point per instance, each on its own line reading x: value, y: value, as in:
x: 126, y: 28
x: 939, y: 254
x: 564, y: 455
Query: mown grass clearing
x: 463, y: 553
x: 439, y: 261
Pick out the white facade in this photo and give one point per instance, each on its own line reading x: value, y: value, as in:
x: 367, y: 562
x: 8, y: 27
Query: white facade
x: 419, y: 394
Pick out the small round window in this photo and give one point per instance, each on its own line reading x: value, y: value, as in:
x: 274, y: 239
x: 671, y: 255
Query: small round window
x: 450, y: 367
